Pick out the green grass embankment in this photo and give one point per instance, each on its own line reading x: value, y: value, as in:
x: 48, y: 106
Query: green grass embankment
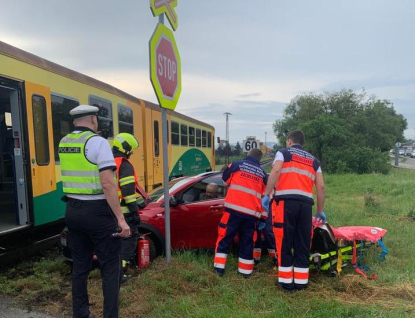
x: 188, y: 287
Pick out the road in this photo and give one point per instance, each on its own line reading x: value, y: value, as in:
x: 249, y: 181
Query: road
x: 9, y: 309
x: 409, y: 163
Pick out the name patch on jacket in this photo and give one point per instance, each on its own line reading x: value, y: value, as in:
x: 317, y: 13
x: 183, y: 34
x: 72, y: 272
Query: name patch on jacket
x: 306, y: 161
x: 251, y: 171
x: 69, y: 149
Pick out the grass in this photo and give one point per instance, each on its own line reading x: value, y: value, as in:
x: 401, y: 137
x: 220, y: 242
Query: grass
x: 187, y: 287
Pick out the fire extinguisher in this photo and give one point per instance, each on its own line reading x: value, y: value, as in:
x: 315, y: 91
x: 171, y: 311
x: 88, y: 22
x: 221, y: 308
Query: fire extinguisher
x: 143, y: 252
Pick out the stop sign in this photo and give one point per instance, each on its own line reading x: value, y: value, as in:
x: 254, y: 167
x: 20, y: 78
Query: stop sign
x: 165, y: 67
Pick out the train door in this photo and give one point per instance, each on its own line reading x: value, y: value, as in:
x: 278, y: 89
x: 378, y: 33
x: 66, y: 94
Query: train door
x: 42, y: 163
x: 157, y: 147
x: 13, y: 179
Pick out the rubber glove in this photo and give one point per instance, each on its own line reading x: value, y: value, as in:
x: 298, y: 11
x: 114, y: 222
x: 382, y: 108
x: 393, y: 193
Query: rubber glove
x: 260, y: 225
x: 321, y: 217
x: 265, y: 203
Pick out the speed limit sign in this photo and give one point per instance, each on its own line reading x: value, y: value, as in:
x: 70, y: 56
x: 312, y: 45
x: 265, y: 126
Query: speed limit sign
x: 250, y: 143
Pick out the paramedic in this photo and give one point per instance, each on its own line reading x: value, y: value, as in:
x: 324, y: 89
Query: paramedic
x: 294, y: 174
x: 246, y: 182
x: 127, y: 181
x: 93, y: 212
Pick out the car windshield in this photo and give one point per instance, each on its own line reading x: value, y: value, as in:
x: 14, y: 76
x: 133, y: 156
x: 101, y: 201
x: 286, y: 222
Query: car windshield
x: 157, y: 194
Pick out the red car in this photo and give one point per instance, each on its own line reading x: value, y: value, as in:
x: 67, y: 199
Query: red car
x: 193, y: 217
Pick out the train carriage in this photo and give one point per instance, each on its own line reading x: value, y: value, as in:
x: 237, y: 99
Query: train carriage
x: 35, y: 98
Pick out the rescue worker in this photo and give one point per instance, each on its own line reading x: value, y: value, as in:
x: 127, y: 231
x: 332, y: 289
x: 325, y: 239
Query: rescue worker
x: 269, y: 240
x: 127, y: 181
x: 246, y: 182
x: 294, y: 174
x: 93, y: 213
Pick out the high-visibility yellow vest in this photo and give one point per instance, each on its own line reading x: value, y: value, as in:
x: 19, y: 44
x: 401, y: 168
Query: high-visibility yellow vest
x: 79, y: 176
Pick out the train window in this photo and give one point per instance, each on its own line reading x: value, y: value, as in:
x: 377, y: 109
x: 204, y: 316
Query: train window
x: 125, y: 119
x: 175, y: 134
x: 156, y: 138
x: 209, y: 140
x: 204, y: 143
x: 62, y: 122
x: 183, y: 135
x: 40, y: 129
x: 198, y: 138
x: 191, y: 136
x: 104, y: 114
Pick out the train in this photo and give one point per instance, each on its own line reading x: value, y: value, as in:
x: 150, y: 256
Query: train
x: 36, y: 96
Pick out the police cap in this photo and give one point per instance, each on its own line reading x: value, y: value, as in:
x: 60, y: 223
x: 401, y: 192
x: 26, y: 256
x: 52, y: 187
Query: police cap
x: 84, y: 110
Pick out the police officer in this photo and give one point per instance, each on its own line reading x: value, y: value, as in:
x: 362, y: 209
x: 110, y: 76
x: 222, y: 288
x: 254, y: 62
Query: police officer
x: 123, y: 147
x: 93, y: 212
x: 294, y: 174
x: 246, y: 182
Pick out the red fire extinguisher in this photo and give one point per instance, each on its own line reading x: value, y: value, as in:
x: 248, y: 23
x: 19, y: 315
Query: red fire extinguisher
x: 143, y: 252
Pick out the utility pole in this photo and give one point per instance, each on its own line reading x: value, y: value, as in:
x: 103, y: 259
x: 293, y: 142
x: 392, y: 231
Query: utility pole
x: 227, y: 135
x: 265, y: 143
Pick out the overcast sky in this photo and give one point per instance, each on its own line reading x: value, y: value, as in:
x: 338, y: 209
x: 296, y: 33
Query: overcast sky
x: 246, y: 57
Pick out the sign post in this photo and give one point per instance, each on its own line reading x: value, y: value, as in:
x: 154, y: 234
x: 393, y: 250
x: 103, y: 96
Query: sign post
x: 250, y: 143
x: 165, y: 76
x: 397, y: 147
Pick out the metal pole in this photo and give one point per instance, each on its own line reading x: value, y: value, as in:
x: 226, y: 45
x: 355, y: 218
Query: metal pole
x: 396, y: 156
x: 265, y: 143
x: 166, y: 176
x: 227, y: 135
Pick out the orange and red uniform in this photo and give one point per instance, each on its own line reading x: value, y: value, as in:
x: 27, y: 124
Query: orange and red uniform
x: 247, y: 181
x: 292, y: 215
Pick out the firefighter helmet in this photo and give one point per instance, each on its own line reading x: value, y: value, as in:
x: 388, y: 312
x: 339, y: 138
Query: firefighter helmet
x: 125, y: 143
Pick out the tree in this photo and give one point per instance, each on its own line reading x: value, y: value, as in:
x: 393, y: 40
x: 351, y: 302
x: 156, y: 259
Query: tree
x: 238, y: 149
x: 345, y: 130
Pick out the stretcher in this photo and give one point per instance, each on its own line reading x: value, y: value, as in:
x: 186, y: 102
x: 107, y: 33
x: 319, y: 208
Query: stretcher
x: 333, y: 248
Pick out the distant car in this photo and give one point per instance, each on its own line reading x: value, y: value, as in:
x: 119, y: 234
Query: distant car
x: 194, y: 217
x: 401, y: 152
x: 412, y: 155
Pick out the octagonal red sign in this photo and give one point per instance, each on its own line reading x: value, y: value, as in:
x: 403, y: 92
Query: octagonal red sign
x: 165, y: 67
x: 167, y: 72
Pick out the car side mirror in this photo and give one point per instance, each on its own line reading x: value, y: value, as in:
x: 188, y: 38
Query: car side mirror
x: 173, y: 201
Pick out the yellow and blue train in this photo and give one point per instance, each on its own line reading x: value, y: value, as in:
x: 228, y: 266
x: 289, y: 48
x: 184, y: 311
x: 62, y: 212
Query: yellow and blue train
x: 35, y: 98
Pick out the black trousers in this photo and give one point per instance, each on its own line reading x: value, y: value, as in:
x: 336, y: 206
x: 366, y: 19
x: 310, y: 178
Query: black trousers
x: 292, y: 222
x: 90, y: 226
x: 129, y: 244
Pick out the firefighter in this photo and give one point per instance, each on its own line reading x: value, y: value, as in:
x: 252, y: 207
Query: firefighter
x: 246, y: 182
x: 124, y: 145
x: 93, y: 211
x: 294, y: 174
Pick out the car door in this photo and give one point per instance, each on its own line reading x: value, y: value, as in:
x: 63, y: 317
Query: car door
x: 194, y: 221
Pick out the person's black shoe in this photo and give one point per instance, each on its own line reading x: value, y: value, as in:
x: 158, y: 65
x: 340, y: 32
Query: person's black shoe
x: 284, y: 289
x: 220, y: 274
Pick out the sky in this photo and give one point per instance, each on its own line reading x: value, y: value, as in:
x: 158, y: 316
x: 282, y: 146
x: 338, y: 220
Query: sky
x: 249, y: 58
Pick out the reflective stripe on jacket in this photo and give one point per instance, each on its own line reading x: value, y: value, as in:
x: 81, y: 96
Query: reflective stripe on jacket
x: 79, y: 176
x: 298, y: 175
x: 125, y: 180
x: 247, y: 182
